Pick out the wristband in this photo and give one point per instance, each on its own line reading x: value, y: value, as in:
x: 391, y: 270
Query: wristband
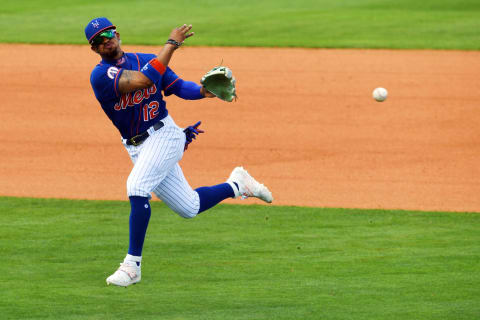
x: 175, y: 43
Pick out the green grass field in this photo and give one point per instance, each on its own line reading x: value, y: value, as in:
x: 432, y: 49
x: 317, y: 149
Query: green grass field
x: 239, y: 262
x: 437, y: 24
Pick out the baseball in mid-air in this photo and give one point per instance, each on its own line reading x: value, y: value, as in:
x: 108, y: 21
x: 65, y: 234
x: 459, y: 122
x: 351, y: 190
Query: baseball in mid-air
x: 380, y: 94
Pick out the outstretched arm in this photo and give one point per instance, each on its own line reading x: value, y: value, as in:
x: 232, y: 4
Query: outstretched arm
x: 134, y: 80
x: 188, y: 90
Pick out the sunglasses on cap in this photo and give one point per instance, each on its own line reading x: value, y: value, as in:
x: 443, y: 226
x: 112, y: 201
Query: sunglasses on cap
x: 109, y: 34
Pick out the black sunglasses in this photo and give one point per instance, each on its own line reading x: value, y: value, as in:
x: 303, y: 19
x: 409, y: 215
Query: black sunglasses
x: 109, y: 34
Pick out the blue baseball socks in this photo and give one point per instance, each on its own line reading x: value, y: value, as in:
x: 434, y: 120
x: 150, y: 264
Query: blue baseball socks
x: 210, y: 196
x: 139, y: 218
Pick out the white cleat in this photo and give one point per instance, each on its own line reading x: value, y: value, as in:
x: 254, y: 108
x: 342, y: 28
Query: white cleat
x: 128, y: 273
x: 249, y: 187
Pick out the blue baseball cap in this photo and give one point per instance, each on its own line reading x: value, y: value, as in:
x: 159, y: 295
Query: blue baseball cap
x: 96, y: 26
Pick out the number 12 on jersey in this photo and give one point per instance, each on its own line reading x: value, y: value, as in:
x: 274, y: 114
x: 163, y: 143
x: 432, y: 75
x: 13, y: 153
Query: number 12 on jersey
x: 150, y: 111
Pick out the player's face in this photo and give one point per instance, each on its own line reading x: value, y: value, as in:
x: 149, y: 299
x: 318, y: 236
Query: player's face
x: 107, y: 44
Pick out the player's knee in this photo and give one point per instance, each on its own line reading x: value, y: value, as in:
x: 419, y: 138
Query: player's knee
x: 135, y: 189
x: 186, y: 207
x: 186, y: 214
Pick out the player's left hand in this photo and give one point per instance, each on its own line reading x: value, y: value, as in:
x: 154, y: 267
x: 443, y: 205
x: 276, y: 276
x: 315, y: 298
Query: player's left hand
x: 191, y: 133
x: 206, y: 93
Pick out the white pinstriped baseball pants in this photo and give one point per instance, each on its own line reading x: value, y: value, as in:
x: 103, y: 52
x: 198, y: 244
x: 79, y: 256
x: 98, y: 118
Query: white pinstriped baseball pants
x: 156, y: 170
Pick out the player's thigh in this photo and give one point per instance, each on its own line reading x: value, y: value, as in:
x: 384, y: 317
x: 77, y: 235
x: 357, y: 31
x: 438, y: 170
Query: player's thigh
x: 158, y: 156
x: 177, y: 194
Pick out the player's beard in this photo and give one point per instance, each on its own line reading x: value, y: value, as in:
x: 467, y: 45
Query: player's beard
x: 112, y: 51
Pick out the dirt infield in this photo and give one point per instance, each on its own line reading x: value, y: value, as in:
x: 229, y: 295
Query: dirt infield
x: 305, y: 124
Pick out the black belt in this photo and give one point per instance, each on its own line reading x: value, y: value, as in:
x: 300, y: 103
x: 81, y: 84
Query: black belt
x: 138, y: 139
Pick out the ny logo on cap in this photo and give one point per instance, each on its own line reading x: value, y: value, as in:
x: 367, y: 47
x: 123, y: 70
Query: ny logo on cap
x: 95, y: 24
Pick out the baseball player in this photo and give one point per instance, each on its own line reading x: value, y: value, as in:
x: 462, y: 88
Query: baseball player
x: 130, y: 88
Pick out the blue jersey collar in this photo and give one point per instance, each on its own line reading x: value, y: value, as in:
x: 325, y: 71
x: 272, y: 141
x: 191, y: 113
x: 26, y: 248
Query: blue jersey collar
x: 122, y: 62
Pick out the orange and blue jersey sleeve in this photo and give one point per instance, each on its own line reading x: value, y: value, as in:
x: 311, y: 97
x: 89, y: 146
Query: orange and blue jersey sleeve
x: 169, y: 80
x: 153, y: 70
x: 104, y: 80
x: 187, y: 90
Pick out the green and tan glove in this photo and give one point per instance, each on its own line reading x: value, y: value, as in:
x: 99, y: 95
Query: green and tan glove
x: 221, y: 82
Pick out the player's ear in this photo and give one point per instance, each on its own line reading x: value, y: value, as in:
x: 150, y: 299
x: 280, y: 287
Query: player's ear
x: 94, y: 49
x: 118, y: 37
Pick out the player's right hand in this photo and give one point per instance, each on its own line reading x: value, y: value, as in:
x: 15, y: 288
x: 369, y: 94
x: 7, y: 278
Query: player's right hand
x: 181, y: 33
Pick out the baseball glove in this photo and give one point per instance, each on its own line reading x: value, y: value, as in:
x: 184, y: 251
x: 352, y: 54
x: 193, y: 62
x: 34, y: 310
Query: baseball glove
x: 221, y: 82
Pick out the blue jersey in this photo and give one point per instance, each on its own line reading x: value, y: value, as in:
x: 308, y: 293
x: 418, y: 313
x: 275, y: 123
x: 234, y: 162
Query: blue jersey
x: 134, y: 112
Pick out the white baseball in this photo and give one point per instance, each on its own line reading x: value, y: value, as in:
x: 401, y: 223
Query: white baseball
x: 380, y: 94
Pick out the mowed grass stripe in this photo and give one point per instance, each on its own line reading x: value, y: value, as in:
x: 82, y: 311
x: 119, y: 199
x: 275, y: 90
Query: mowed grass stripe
x: 239, y: 262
